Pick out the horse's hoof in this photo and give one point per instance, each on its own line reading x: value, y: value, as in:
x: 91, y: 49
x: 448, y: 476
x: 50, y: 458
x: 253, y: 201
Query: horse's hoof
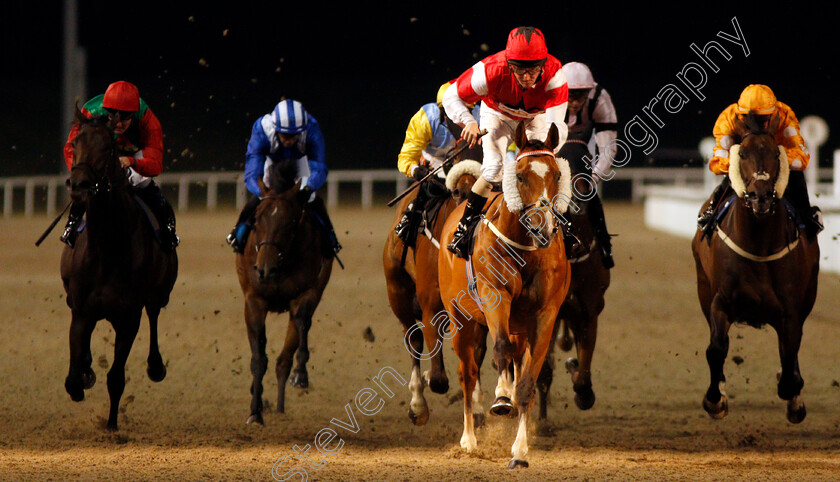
x: 299, y: 380
x: 478, y: 419
x: 255, y: 418
x: 418, y: 420
x: 112, y: 426
x: 585, y: 399
x: 716, y: 410
x: 796, y: 410
x: 439, y: 384
x: 516, y: 463
x: 502, y: 406
x: 156, y: 374
x: 89, y: 380
x: 75, y: 390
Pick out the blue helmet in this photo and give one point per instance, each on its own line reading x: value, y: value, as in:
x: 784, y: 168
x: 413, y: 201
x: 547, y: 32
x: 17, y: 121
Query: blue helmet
x: 290, y: 117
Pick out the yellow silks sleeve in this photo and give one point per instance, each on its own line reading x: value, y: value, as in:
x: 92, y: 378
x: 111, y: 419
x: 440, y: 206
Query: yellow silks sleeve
x: 417, y: 137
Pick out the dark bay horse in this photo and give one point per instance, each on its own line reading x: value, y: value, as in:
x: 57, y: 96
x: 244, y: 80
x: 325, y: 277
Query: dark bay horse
x: 584, y: 302
x: 514, y: 283
x: 116, y: 268
x: 757, y: 268
x: 282, y: 268
x: 413, y: 290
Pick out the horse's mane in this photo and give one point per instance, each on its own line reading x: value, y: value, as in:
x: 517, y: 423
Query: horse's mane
x: 281, y: 176
x: 752, y: 123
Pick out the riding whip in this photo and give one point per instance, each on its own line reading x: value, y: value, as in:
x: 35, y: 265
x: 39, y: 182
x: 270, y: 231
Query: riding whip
x: 52, y: 225
x: 458, y: 150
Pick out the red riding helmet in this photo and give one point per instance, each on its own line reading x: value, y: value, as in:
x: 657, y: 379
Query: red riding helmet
x: 122, y: 96
x: 526, y: 44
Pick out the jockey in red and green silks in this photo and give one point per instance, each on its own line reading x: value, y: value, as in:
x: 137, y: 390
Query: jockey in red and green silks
x: 139, y: 140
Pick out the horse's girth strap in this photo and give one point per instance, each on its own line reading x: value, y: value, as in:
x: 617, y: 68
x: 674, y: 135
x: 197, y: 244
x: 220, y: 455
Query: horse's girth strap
x: 760, y: 259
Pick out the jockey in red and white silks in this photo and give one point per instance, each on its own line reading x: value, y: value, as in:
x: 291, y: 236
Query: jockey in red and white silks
x: 521, y: 83
x: 505, y: 103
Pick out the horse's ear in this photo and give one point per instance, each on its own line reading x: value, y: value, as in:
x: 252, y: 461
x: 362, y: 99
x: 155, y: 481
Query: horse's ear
x: 774, y: 123
x: 553, y: 137
x: 294, y: 191
x: 739, y: 126
x: 77, y: 114
x: 262, y: 186
x: 520, y: 137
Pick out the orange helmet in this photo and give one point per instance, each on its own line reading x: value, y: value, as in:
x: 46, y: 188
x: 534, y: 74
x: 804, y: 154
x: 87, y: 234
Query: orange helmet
x: 526, y: 44
x: 441, y: 91
x: 757, y: 98
x: 122, y: 96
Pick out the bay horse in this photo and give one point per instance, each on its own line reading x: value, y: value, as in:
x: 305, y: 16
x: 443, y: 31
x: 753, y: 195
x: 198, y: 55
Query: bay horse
x: 577, y: 320
x: 757, y: 268
x: 517, y: 284
x: 116, y: 268
x: 282, y: 268
x: 412, y: 284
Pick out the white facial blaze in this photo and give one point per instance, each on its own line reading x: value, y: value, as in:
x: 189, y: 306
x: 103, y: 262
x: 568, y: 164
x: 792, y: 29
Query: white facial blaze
x: 539, y: 168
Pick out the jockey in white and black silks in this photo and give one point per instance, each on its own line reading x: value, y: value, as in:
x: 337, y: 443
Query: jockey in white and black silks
x: 591, y: 116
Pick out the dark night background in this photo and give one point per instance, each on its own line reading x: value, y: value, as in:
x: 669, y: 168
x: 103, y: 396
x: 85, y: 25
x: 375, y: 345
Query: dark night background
x: 363, y: 71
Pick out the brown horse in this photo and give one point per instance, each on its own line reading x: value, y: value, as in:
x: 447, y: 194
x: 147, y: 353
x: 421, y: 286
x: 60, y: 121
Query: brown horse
x: 413, y: 290
x: 517, y: 284
x: 757, y: 267
x: 116, y: 268
x: 578, y: 315
x: 282, y: 268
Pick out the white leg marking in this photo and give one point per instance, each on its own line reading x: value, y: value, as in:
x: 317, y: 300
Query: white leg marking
x: 520, y: 445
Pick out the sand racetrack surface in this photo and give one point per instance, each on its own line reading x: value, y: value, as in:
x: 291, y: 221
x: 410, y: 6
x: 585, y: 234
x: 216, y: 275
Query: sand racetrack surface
x: 649, y: 376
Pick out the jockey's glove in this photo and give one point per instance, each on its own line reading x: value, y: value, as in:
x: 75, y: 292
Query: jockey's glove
x: 421, y: 172
x: 304, y: 195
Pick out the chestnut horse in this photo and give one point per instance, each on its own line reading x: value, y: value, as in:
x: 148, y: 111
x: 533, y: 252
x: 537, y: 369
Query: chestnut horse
x: 116, y: 268
x: 757, y: 267
x: 517, y: 284
x: 578, y: 315
x: 282, y: 268
x: 413, y: 285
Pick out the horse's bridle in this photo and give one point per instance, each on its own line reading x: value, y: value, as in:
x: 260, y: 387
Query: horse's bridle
x: 102, y: 183
x: 276, y: 244
x: 542, y: 204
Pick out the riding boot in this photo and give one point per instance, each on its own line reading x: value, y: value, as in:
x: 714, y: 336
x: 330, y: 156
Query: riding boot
x: 597, y: 218
x: 317, y: 207
x: 153, y: 197
x: 412, y: 217
x: 459, y: 243
x: 239, y: 234
x: 705, y: 221
x: 71, y: 230
x: 809, y: 218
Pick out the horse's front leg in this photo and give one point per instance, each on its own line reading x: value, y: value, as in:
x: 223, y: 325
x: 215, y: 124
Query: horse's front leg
x: 126, y: 330
x: 155, y: 367
x: 80, y: 376
x: 300, y: 313
x: 585, y: 329
x: 480, y: 350
x: 503, y: 354
x: 790, y: 380
x: 715, y: 402
x: 433, y: 317
x: 255, y: 312
x: 463, y: 343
